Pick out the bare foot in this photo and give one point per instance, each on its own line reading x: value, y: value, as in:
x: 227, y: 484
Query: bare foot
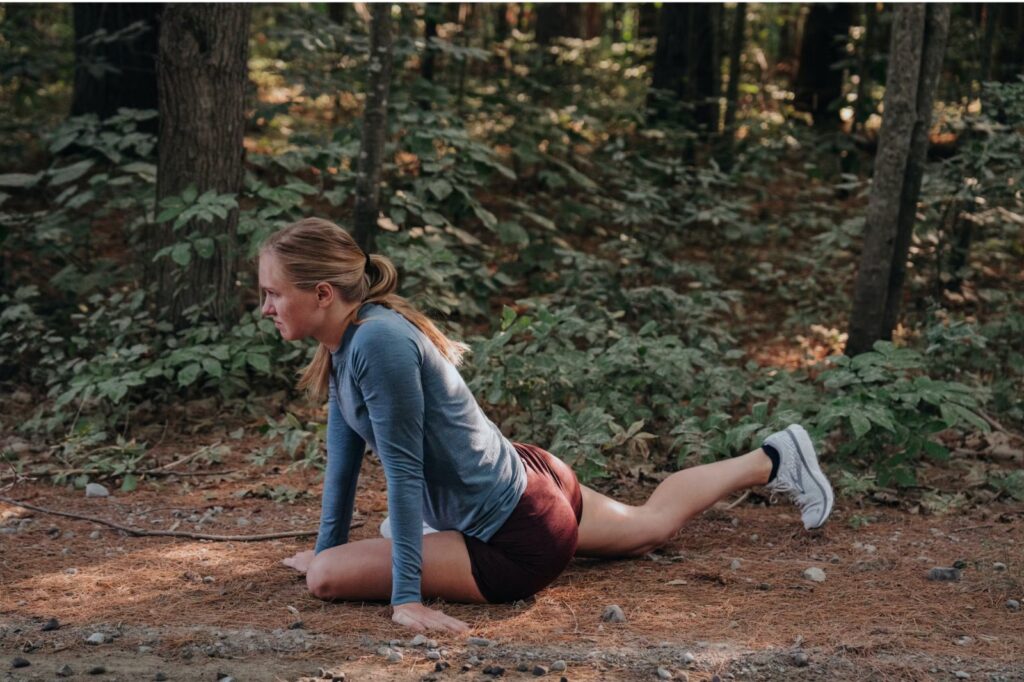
x: 300, y: 562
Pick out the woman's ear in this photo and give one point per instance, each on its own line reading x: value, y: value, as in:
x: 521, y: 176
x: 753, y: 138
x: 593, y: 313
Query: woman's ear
x: 325, y: 294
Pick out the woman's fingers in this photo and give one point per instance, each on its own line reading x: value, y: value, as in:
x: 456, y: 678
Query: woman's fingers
x: 300, y: 561
x: 419, y: 617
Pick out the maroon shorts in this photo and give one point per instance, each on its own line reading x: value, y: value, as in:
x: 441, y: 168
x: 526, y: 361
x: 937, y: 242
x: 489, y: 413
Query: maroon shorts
x: 537, y: 541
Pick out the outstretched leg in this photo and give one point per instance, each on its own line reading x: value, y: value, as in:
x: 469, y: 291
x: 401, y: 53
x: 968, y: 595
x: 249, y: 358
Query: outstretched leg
x: 361, y: 570
x: 610, y: 528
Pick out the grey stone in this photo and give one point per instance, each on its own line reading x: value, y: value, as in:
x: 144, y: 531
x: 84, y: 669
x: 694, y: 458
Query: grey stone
x: 383, y: 650
x: 96, y: 490
x: 613, y: 614
x: 19, y: 662
x: 664, y: 674
x: 735, y: 564
x: 434, y: 655
x: 97, y: 670
x: 539, y: 670
x: 815, y: 574
x: 50, y: 625
x: 160, y: 677
x: 96, y: 638
x: 418, y: 640
x: 473, y: 660
x: 943, y: 573
x: 961, y: 675
x: 65, y: 671
x: 689, y: 659
x: 395, y: 657
x: 999, y: 566
x: 95, y: 535
x: 143, y: 649
x: 479, y: 641
x: 800, y: 659
x: 224, y: 678
x: 963, y: 640
x: 1013, y: 604
x: 441, y: 666
x: 494, y: 670
x: 558, y: 666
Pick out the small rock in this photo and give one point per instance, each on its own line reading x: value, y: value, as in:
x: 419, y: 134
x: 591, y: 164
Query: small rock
x: 689, y: 659
x: 754, y: 537
x: 431, y: 643
x: 71, y: 571
x: 297, y: 625
x: 961, y: 675
x: 395, y: 643
x: 160, y: 677
x: 1013, y: 604
x: 800, y: 659
x: 473, y: 660
x: 97, y: 670
x: 225, y: 678
x: 395, y: 657
x: 19, y: 662
x: 764, y: 586
x: 944, y: 574
x: 664, y: 674
x: 815, y: 574
x: 963, y: 641
x: 434, y: 655
x: 494, y: 671
x: 50, y: 625
x: 613, y: 614
x: 208, y: 579
x: 735, y: 564
x: 441, y: 666
x: 479, y: 641
x: 539, y: 670
x: 999, y: 566
x: 418, y: 640
x: 96, y: 638
x: 95, y: 535
x: 96, y: 490
x: 143, y: 649
x: 65, y: 671
x: 242, y: 521
x: 558, y: 666
x: 466, y: 667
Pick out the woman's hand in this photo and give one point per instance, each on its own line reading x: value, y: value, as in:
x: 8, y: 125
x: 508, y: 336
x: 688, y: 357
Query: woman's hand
x: 419, y: 617
x: 300, y: 562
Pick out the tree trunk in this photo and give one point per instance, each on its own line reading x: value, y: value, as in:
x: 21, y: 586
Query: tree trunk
x: 431, y: 15
x: 818, y: 83
x: 616, y: 19
x: 686, y: 62
x: 863, y: 108
x: 704, y: 39
x: 375, y: 126
x: 739, y: 24
x: 337, y: 11
x: 502, y: 26
x: 648, y: 23
x: 557, y: 19
x: 115, y: 58
x: 592, y: 20
x: 671, y: 61
x: 915, y: 61
x: 202, y: 75
x: 1010, y: 44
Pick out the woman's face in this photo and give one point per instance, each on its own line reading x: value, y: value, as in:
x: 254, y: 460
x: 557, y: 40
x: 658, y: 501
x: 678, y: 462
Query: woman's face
x: 295, y: 312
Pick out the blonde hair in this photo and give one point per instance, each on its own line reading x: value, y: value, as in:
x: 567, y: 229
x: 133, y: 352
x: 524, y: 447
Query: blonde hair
x: 314, y: 250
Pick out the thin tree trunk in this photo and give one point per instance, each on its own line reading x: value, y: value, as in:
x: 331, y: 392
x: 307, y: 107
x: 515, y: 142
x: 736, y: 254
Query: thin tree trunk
x: 818, y: 84
x: 935, y: 34
x: 557, y: 19
x: 862, y: 110
x: 708, y: 81
x: 430, y: 17
x: 375, y: 125
x: 739, y: 24
x: 337, y: 12
x: 202, y: 76
x: 647, y: 20
x: 915, y: 58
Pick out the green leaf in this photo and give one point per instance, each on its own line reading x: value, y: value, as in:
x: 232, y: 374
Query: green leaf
x: 188, y: 374
x: 860, y: 424
x: 260, y: 363
x: 440, y: 188
x: 130, y: 483
x: 63, y: 176
x: 486, y: 217
x: 204, y: 247
x: 182, y: 253
x: 189, y: 195
x: 213, y: 367
x: 19, y: 179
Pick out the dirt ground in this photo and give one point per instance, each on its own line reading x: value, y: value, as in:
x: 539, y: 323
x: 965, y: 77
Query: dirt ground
x: 727, y: 598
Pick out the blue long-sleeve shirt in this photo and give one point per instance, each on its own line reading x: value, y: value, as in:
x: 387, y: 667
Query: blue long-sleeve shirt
x: 445, y: 462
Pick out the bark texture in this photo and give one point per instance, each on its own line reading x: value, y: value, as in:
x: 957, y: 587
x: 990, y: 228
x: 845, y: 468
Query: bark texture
x: 917, y: 48
x: 202, y: 75
x: 375, y: 125
x: 818, y: 83
x: 686, y: 62
x: 118, y: 69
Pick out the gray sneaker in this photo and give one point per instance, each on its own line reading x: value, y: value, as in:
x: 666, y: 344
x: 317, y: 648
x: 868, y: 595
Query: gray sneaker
x: 800, y: 476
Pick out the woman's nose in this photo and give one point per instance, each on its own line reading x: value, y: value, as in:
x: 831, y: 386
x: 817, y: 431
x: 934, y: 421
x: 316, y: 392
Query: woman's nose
x: 268, y: 310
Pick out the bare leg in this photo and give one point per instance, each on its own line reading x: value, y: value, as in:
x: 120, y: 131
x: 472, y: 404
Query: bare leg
x: 361, y: 570
x: 609, y: 528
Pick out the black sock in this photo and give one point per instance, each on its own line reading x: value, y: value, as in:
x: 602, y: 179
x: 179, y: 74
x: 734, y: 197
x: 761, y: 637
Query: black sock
x: 773, y: 455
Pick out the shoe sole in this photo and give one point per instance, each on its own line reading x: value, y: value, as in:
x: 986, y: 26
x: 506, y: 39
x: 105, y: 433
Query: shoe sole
x: 809, y: 462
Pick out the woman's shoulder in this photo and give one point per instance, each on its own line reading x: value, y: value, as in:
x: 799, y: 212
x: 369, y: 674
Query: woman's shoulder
x: 382, y: 331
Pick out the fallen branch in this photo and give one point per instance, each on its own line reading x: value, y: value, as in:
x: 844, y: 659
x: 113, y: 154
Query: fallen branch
x: 169, y: 533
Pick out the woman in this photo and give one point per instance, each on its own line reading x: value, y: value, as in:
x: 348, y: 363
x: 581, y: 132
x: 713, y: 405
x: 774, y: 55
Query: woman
x: 509, y: 516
